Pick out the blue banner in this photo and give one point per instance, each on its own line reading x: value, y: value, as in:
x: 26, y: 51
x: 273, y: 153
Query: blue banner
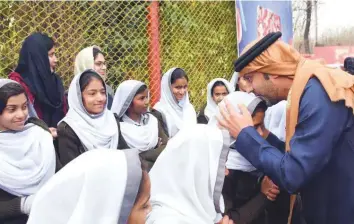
x: 255, y: 19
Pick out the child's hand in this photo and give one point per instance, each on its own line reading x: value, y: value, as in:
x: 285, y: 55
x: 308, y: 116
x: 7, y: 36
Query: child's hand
x: 269, y: 189
x: 226, y: 220
x: 53, y: 131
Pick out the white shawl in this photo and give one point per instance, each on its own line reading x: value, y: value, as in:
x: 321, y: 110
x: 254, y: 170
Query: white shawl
x: 187, y: 178
x: 99, y: 186
x: 211, y: 106
x: 142, y: 136
x: 94, y: 131
x: 27, y: 158
x: 235, y: 160
x: 176, y: 114
x: 275, y: 119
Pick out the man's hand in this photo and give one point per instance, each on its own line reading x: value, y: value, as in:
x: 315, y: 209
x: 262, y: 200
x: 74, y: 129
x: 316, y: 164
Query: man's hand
x: 233, y: 121
x: 226, y: 220
x: 269, y: 189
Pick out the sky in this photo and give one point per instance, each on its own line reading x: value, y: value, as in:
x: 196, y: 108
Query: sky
x: 335, y: 14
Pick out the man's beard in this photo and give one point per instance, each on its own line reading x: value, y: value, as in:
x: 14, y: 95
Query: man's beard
x: 268, y: 101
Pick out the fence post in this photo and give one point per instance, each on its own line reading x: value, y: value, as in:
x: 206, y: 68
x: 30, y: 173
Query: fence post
x: 154, y: 52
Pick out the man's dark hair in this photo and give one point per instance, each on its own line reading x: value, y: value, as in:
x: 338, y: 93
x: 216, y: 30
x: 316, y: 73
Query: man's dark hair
x: 349, y: 65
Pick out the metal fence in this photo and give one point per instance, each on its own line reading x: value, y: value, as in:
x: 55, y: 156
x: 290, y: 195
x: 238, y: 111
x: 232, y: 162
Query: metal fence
x: 141, y: 39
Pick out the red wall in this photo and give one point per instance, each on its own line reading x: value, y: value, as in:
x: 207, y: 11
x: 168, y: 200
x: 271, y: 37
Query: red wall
x: 332, y: 54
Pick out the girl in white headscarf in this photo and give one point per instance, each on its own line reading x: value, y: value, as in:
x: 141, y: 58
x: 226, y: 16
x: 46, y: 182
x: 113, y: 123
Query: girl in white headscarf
x: 275, y: 119
x: 188, y: 176
x: 27, y: 154
x: 174, y: 108
x: 139, y: 129
x: 247, y: 192
x: 102, y: 186
x: 88, y: 124
x: 93, y: 58
x: 217, y: 89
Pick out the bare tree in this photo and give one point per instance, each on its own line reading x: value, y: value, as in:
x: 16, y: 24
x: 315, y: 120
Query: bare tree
x: 308, y: 26
x: 338, y: 37
x: 299, y: 17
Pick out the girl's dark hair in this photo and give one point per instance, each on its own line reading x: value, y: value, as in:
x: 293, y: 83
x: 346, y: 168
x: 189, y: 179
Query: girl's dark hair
x: 96, y: 52
x: 178, y: 73
x: 217, y: 83
x: 141, y: 89
x: 7, y: 91
x: 48, y: 42
x: 86, y: 78
x: 262, y: 106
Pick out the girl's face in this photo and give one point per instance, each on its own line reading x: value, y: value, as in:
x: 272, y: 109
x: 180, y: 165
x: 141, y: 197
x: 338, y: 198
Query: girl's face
x: 14, y: 114
x: 142, y: 206
x: 52, y: 59
x: 100, y: 66
x: 258, y: 122
x: 219, y: 93
x: 180, y: 88
x: 94, y: 97
x: 140, y: 103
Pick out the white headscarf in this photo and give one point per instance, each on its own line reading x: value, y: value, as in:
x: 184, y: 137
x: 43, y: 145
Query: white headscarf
x: 211, y: 107
x: 177, y: 114
x: 188, y: 176
x: 235, y: 160
x: 234, y: 80
x: 275, y: 119
x: 27, y: 158
x: 99, y: 186
x: 84, y: 59
x: 143, y: 136
x: 94, y: 131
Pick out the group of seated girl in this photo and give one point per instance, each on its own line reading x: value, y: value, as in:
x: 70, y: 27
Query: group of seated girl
x: 43, y: 129
x: 87, y: 125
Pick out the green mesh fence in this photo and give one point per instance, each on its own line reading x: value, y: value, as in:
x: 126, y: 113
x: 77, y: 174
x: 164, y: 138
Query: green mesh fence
x: 199, y: 37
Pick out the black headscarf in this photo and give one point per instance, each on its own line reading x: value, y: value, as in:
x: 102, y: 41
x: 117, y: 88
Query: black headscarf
x: 47, y: 87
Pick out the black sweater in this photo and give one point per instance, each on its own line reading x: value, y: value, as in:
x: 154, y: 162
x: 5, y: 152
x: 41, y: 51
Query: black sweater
x: 246, y: 204
x: 202, y: 118
x: 70, y: 146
